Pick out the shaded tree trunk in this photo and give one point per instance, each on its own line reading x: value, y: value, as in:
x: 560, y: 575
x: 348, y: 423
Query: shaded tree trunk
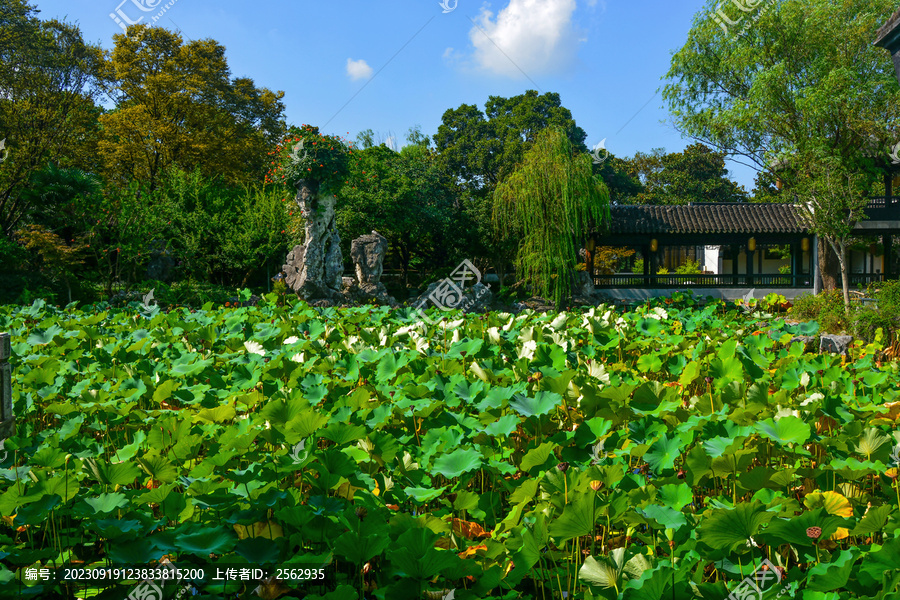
x: 841, y: 254
x: 830, y: 267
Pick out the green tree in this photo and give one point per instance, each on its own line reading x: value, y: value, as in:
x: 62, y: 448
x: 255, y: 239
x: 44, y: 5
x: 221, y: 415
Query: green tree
x: 551, y: 200
x: 48, y: 75
x: 177, y: 104
x: 59, y: 259
x: 479, y: 149
x: 406, y: 198
x: 220, y: 233
x: 803, y: 87
x: 620, y: 178
x: 833, y: 197
x: 697, y: 174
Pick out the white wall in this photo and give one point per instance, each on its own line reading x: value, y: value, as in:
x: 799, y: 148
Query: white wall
x: 711, y: 260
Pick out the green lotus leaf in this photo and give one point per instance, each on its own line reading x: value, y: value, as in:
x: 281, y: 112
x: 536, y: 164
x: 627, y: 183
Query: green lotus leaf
x: 663, y: 453
x: 107, y: 503
x: 787, y: 430
x: 498, y: 397
x: 343, y: 433
x: 649, y: 327
x: 536, y: 457
x: 136, y: 552
x: 35, y: 513
x: 834, y: 574
x: 415, y: 556
x: 390, y: 365
x: 503, y: 426
x: 676, y: 496
x: 874, y: 521
x: 40, y: 338
x: 158, y: 468
x: 219, y: 414
x: 541, y: 404
x: 578, y: 518
x: 465, y: 349
x: 731, y: 529
x: 204, y: 541
x: 370, y: 540
x: 423, y: 494
x: 668, y: 518
x: 458, y: 462
x: 796, y: 529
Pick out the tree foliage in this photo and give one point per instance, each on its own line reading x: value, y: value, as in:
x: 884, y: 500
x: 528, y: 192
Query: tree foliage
x: 697, y: 174
x: 406, y: 198
x: 59, y: 259
x: 177, y: 104
x: 551, y: 200
x: 48, y: 75
x: 803, y: 90
x: 479, y: 149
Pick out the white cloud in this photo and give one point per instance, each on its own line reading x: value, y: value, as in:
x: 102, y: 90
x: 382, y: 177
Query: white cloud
x: 358, y: 69
x: 534, y: 36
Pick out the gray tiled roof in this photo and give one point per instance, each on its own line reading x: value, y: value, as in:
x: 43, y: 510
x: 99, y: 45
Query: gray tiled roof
x: 707, y: 218
x: 889, y: 33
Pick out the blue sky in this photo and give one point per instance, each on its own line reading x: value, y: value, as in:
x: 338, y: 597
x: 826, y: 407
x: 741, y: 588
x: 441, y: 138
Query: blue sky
x: 388, y: 65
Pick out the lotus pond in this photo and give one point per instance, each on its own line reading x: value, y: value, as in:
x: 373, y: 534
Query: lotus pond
x: 663, y: 452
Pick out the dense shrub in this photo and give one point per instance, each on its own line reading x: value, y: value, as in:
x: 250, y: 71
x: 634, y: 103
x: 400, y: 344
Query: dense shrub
x: 886, y: 314
x: 691, y: 267
x: 863, y: 321
x: 826, y: 308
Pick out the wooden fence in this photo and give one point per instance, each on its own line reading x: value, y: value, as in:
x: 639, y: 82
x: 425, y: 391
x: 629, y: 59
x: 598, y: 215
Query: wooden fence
x: 7, y: 426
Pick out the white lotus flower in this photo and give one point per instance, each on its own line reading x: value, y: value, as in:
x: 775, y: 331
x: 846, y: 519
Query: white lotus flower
x: 813, y: 398
x: 254, y: 348
x: 291, y: 340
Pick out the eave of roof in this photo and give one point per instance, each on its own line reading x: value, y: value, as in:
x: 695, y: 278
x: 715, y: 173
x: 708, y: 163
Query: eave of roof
x: 706, y: 219
x: 889, y: 34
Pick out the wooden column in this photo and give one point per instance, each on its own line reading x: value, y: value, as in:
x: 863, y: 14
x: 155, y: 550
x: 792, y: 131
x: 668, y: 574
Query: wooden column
x: 750, y: 256
x: 796, y: 260
x: 6, y: 412
x: 646, y: 252
x: 735, y: 255
x: 887, y: 240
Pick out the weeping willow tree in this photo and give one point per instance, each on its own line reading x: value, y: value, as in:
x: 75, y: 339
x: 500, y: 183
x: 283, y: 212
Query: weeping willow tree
x: 549, y: 203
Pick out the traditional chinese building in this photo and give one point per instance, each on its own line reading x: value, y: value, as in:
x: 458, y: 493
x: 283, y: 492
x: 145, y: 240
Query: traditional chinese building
x: 738, y: 246
x: 889, y: 39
